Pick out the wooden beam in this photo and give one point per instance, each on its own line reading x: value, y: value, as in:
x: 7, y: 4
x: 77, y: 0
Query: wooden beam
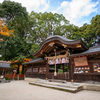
x: 59, y: 56
x: 50, y: 49
x: 78, y: 46
x: 58, y: 52
x: 64, y: 45
x: 51, y: 44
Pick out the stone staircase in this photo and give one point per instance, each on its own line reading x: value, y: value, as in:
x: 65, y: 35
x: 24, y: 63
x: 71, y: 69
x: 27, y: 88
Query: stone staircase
x: 65, y: 86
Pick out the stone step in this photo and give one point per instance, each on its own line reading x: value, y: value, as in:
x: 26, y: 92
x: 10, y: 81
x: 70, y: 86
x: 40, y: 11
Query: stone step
x: 58, y: 87
x: 67, y: 84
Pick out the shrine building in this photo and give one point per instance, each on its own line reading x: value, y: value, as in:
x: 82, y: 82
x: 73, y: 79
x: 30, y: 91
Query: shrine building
x: 65, y: 59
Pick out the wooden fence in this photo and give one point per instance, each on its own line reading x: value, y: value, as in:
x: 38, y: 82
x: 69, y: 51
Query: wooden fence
x: 16, y: 76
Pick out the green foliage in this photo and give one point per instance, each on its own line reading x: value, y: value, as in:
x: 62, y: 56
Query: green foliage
x: 31, y: 30
x: 8, y: 78
x: 12, y: 10
x: 88, y: 32
x: 60, y: 71
x: 66, y: 69
x: 17, y: 19
x: 52, y: 66
x: 16, y: 16
x: 95, y: 24
x: 46, y: 24
x: 15, y: 47
x: 34, y: 48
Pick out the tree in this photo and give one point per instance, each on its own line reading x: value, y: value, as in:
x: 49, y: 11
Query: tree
x: 34, y: 48
x: 4, y: 31
x: 46, y: 24
x: 31, y: 30
x: 88, y: 32
x: 95, y: 24
x: 16, y: 16
x: 17, y: 63
x: 14, y: 47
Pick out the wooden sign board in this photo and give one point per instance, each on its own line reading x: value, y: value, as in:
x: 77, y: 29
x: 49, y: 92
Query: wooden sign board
x: 58, y: 60
x: 35, y: 70
x: 42, y: 70
x: 29, y: 70
x: 81, y: 61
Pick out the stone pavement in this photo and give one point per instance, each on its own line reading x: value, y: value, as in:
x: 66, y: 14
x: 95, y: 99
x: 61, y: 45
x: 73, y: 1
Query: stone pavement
x: 21, y: 90
x: 32, y: 79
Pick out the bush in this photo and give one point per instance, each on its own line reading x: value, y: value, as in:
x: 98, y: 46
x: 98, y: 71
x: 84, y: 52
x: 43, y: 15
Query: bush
x: 7, y: 78
x: 60, y: 71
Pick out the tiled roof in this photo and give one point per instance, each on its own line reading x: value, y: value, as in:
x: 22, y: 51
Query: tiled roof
x: 95, y: 49
x: 5, y: 65
x: 33, y: 61
x: 63, y: 40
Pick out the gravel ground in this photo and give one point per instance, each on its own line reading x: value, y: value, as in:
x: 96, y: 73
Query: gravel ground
x: 21, y: 90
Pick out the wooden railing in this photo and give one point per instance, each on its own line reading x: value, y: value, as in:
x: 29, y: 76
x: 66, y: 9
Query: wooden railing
x: 87, y: 77
x: 60, y: 76
x: 36, y: 75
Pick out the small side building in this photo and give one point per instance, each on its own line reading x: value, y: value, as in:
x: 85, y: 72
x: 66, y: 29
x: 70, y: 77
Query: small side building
x: 4, y: 67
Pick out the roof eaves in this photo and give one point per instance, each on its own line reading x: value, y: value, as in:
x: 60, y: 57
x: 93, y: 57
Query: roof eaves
x: 84, y: 53
x: 33, y: 61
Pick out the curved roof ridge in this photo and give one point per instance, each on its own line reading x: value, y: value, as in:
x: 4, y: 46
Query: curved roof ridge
x: 58, y: 36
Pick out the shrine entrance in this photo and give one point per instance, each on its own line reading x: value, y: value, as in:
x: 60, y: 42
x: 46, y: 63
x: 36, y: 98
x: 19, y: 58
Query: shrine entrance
x: 62, y: 71
x: 58, y: 65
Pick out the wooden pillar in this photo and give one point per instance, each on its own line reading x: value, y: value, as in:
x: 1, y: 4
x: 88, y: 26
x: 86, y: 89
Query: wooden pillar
x: 91, y: 70
x: 71, y: 69
x: 32, y: 70
x: 91, y: 67
x: 47, y: 69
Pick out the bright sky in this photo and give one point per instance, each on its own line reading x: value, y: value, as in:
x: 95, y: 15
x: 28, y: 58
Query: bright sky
x: 77, y: 12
